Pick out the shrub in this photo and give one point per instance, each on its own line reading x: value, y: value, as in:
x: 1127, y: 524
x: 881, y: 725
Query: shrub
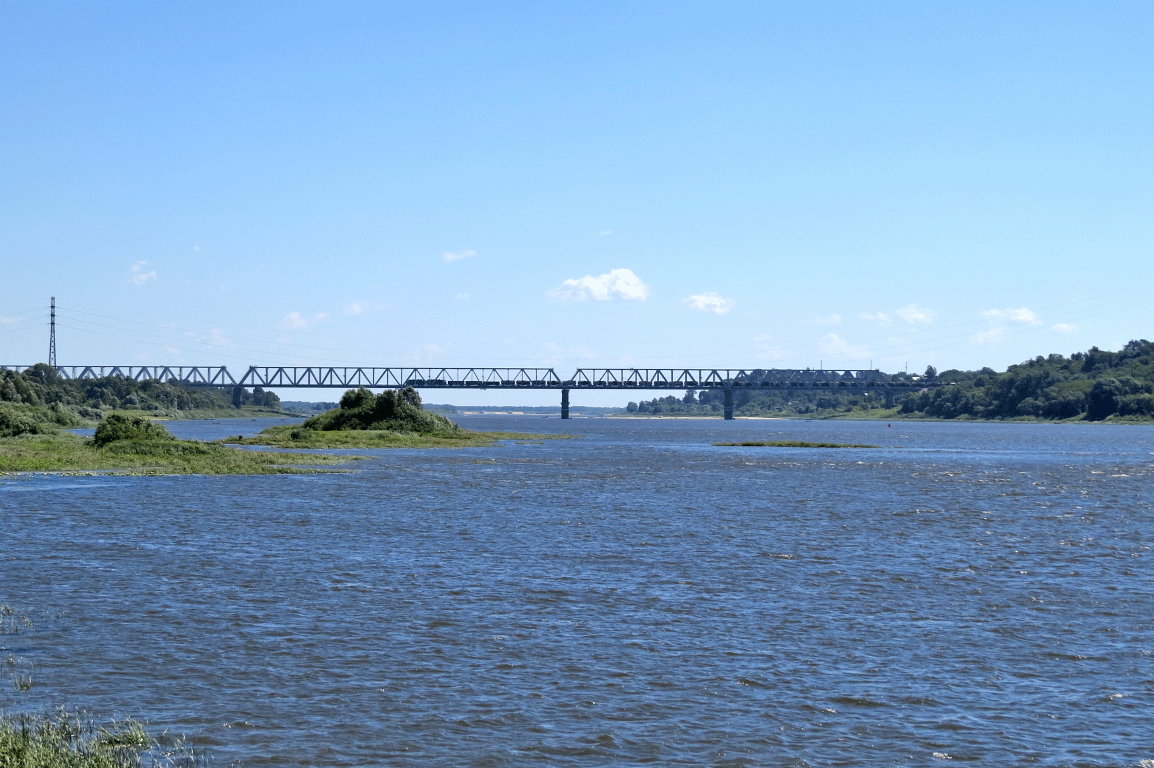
x: 118, y: 427
x: 17, y: 419
x: 392, y: 410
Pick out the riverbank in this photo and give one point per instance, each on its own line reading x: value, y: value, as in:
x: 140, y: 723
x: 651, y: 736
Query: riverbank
x: 72, y: 454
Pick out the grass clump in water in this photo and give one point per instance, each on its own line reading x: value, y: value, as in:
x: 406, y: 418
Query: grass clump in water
x: 64, y: 739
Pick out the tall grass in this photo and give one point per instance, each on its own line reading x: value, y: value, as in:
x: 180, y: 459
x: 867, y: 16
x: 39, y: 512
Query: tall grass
x: 64, y: 739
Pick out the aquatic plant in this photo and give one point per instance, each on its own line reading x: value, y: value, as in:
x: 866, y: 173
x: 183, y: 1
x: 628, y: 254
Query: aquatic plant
x: 66, y: 739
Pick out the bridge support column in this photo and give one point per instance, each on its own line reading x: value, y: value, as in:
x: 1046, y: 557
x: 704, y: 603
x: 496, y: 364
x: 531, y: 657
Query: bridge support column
x: 890, y: 399
x: 728, y: 394
x: 564, y: 403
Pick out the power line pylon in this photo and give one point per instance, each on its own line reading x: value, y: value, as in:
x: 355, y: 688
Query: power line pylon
x: 52, y: 335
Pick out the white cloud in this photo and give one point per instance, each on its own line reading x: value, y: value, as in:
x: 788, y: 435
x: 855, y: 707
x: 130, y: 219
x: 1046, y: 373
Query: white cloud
x: 358, y: 308
x: 710, y: 302
x: 295, y: 320
x: 990, y: 335
x: 140, y: 274
x: 767, y: 350
x: 1063, y: 327
x: 911, y: 314
x: 451, y: 256
x: 614, y: 284
x: 832, y: 344
x: 1019, y: 315
x: 464, y: 296
x: 1002, y: 320
x: 834, y: 319
x: 915, y: 315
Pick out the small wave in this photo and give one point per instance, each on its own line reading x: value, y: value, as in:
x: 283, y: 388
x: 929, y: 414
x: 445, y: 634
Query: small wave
x: 858, y: 701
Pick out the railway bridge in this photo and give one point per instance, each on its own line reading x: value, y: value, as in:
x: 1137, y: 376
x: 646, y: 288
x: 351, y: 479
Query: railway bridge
x: 728, y: 380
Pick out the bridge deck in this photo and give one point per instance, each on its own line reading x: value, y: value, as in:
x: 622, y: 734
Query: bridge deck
x: 320, y: 377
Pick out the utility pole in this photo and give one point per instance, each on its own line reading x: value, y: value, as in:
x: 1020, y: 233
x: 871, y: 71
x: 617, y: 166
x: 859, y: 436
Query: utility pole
x: 52, y: 335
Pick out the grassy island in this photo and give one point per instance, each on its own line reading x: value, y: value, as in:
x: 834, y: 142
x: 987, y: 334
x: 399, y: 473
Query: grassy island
x: 392, y: 419
x: 134, y: 445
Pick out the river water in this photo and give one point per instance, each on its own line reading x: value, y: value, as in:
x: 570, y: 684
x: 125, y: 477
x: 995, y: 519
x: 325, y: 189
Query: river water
x: 635, y: 596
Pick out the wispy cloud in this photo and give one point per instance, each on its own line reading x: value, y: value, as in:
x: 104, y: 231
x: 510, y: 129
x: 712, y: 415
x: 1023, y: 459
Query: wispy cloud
x: 836, y: 346
x: 614, y: 284
x: 141, y: 274
x: 1063, y: 327
x: 358, y: 308
x: 451, y: 256
x: 990, y: 335
x: 710, y: 302
x: 767, y: 350
x: 834, y: 319
x: 915, y: 315
x: 1002, y: 321
x: 911, y: 314
x: 296, y: 320
x: 1021, y: 315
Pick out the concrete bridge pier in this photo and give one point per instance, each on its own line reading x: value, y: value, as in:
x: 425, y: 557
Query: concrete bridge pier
x: 564, y: 403
x: 727, y: 392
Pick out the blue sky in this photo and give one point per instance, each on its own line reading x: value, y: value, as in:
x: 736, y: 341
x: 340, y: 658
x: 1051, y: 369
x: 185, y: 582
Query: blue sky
x: 575, y: 184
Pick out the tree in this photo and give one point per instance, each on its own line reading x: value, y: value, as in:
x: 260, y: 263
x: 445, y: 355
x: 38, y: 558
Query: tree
x: 120, y: 427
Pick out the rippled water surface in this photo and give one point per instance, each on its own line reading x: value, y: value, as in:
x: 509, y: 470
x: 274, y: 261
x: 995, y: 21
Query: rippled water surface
x: 965, y: 592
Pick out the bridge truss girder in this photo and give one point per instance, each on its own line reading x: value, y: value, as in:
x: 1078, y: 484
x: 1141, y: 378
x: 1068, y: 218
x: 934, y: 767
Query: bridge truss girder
x: 349, y: 377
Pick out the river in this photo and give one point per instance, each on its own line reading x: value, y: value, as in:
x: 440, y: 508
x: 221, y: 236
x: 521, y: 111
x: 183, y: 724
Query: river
x: 633, y: 596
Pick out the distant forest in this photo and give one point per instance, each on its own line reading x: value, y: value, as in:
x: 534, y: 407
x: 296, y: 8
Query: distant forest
x: 40, y: 396
x: 1095, y: 385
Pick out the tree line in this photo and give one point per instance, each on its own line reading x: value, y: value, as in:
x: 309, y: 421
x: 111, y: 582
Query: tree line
x: 39, y: 399
x: 1093, y: 386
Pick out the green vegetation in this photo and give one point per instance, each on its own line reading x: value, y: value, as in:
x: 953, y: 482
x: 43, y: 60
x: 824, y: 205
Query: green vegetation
x: 1086, y: 386
x: 160, y: 454
x: 117, y: 426
x: 392, y: 419
x: 757, y: 403
x: 792, y: 444
x: 64, y: 739
x: 23, y: 419
x: 41, y: 386
x: 391, y: 410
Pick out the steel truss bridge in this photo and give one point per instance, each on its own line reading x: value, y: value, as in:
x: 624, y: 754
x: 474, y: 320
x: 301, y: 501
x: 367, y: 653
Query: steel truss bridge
x: 728, y: 380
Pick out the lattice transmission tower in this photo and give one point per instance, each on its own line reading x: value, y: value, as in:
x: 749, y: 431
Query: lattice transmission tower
x: 52, y: 334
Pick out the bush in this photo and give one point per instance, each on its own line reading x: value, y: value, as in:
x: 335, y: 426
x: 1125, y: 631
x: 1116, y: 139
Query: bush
x: 118, y: 427
x: 392, y: 410
x: 16, y: 420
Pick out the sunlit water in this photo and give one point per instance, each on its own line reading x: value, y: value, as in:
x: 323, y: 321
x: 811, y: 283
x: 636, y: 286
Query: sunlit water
x: 638, y: 596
